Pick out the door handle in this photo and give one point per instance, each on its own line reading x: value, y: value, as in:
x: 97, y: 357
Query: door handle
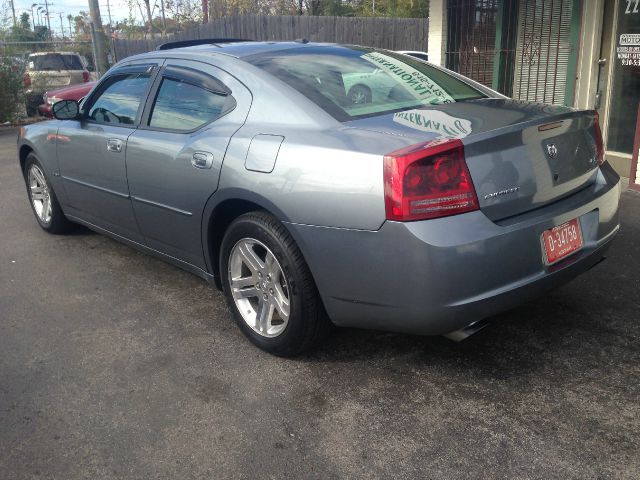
x: 202, y: 160
x: 114, y: 145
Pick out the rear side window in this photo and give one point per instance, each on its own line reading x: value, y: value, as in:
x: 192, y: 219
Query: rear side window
x: 182, y: 106
x: 55, y: 61
x: 357, y: 82
x: 119, y: 102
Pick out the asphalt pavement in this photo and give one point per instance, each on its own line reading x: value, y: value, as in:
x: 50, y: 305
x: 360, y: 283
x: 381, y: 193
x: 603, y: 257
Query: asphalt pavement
x: 115, y: 365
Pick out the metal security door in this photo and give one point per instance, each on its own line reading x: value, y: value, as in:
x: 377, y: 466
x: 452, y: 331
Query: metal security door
x: 546, y: 51
x: 471, y: 41
x: 526, y: 49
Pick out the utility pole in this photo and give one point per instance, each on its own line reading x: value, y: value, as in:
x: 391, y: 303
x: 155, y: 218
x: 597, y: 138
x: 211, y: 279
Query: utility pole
x: 13, y: 11
x: 61, y: 25
x: 70, y: 17
x: 97, y: 34
x: 205, y: 11
x: 109, y: 13
x: 33, y: 18
x: 110, y: 34
x: 93, y: 48
x: 46, y: 7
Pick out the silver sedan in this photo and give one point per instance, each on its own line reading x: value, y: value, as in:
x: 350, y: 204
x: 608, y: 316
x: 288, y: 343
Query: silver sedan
x: 427, y: 206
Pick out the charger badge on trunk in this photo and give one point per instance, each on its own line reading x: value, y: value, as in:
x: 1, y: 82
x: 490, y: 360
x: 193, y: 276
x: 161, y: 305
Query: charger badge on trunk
x: 499, y: 193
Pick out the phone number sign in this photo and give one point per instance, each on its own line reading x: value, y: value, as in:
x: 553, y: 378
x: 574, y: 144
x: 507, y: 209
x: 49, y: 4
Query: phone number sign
x: 628, y: 48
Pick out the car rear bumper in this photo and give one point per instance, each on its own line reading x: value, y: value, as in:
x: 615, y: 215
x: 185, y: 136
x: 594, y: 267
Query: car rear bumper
x: 438, y: 276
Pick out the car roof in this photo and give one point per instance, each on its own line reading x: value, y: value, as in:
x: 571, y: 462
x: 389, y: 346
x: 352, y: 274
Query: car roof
x: 246, y: 48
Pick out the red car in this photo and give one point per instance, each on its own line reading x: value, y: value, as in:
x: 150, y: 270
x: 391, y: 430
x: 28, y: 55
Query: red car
x: 72, y: 92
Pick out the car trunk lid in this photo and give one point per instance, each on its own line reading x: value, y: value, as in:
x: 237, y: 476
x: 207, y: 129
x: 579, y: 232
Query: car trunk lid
x: 521, y: 156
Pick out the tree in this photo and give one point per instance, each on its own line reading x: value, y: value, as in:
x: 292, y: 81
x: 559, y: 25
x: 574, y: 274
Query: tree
x: 25, y: 21
x: 11, y: 94
x: 147, y: 5
x: 82, y: 26
x: 394, y: 8
x: 42, y: 33
x: 186, y: 13
x: 70, y: 19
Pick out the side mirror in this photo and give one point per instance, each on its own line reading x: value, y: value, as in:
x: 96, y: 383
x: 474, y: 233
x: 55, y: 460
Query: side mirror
x: 66, y: 110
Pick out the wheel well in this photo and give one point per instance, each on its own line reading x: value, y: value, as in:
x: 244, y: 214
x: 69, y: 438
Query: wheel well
x: 220, y: 219
x: 25, y: 150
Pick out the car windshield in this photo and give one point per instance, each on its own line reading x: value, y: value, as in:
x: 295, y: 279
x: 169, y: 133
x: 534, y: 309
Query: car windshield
x: 357, y: 82
x: 55, y: 61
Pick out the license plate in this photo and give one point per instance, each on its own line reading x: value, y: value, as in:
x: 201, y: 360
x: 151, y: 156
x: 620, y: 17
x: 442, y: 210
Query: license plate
x: 561, y: 241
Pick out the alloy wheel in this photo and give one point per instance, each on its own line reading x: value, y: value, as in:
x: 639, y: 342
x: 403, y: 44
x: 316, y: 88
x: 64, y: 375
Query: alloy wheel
x: 40, y: 195
x: 359, y: 97
x: 259, y: 287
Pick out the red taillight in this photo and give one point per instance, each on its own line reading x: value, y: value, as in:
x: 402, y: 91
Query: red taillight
x: 428, y: 180
x: 85, y: 76
x: 26, y: 80
x: 599, y: 143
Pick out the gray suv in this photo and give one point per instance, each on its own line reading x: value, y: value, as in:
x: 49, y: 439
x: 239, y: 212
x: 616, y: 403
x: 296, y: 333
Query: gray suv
x: 425, y: 208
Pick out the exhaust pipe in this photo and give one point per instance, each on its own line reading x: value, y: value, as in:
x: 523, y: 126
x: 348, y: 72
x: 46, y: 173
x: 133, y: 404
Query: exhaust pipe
x: 602, y: 259
x: 466, y: 332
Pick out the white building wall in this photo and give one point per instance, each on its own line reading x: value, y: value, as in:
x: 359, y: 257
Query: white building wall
x: 589, y: 54
x: 437, y: 31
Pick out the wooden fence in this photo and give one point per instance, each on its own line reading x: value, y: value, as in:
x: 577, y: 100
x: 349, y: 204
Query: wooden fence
x: 390, y: 33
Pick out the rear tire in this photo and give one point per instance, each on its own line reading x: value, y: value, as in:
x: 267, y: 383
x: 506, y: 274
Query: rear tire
x: 44, y: 203
x: 262, y: 270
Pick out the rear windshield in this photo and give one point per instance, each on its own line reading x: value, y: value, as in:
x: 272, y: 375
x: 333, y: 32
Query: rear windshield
x: 357, y: 82
x: 55, y: 61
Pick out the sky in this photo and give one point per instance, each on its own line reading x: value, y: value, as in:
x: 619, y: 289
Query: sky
x: 119, y: 10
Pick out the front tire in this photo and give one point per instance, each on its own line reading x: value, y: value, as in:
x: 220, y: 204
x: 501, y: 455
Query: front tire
x: 269, y: 287
x: 44, y: 202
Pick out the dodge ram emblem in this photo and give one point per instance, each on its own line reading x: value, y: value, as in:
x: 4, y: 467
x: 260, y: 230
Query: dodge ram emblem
x: 552, y: 150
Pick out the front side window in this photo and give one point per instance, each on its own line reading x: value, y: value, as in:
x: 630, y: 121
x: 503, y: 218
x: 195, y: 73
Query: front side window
x: 184, y: 107
x: 118, y: 103
x: 357, y: 82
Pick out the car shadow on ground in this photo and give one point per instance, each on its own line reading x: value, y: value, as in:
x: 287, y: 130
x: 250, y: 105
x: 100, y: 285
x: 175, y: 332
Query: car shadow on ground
x: 568, y: 328
x: 558, y: 327
x: 516, y: 343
